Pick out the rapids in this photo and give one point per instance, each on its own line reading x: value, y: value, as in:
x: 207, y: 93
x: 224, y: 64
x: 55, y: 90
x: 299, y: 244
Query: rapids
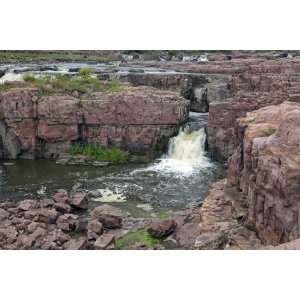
x: 179, y: 179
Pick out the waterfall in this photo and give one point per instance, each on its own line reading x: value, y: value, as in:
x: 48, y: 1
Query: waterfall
x: 187, y: 146
x: 186, y: 154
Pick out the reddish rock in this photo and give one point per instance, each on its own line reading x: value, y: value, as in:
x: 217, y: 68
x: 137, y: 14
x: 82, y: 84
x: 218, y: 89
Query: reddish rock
x: 47, y: 215
x: 105, y: 241
x: 266, y: 168
x: 222, y: 221
x: 67, y: 222
x: 140, y: 119
x: 28, y: 205
x: 162, y: 228
x: 76, y: 244
x: 3, y: 214
x: 34, y: 225
x: 9, y: 233
x: 25, y: 242
x: 109, y: 216
x: 61, y: 196
x: 79, y: 200
x: 62, y: 207
x: 94, y: 229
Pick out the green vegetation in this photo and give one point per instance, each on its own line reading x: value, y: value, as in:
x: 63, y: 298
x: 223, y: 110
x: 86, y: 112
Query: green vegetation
x: 269, y: 131
x: 56, y: 56
x: 113, y: 155
x: 84, y: 83
x: 96, y: 152
x: 141, y: 236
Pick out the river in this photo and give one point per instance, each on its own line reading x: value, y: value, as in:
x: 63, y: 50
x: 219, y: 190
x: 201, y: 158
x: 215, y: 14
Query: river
x: 179, y: 179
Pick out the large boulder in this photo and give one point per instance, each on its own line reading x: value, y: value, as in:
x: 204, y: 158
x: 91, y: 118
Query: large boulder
x: 163, y: 228
x: 105, y: 241
x: 109, y: 216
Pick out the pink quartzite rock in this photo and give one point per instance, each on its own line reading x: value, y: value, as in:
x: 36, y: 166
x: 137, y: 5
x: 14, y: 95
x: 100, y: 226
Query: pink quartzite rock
x: 139, y: 119
x: 79, y: 200
x: 109, y: 216
x: 162, y: 228
x: 266, y: 168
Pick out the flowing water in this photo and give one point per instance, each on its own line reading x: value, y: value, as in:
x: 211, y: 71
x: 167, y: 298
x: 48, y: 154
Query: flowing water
x: 179, y: 179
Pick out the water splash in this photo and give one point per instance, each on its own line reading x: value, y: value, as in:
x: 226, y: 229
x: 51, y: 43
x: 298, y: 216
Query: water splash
x: 186, y: 154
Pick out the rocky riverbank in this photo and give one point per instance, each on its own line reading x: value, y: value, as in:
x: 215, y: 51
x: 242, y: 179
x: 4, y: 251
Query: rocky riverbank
x: 69, y: 221
x: 253, y: 104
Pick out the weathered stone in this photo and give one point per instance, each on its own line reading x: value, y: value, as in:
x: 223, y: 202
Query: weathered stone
x: 47, y: 126
x: 47, y: 202
x: 109, y: 216
x: 34, y: 225
x: 9, y: 233
x: 62, y: 207
x: 61, y: 196
x: 39, y: 232
x: 79, y: 200
x: 48, y: 215
x: 67, y: 222
x: 3, y: 214
x: 28, y: 205
x: 162, y: 228
x: 25, y: 241
x: 210, y: 241
x: 220, y: 226
x: 95, y: 229
x: 76, y: 244
x: 104, y: 241
x: 266, y: 169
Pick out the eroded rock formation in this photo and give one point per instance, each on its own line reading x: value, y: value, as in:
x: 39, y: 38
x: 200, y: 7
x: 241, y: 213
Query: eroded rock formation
x: 200, y: 89
x: 259, y: 201
x: 266, y: 169
x: 138, y: 119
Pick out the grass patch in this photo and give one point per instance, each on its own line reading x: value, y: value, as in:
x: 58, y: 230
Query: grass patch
x: 113, y: 155
x: 96, y: 152
x: 83, y: 84
x: 140, y: 236
x: 56, y: 56
x: 269, y: 131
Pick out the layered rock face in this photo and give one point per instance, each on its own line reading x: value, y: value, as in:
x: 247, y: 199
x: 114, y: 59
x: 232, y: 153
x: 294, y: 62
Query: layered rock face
x: 263, y: 84
x: 140, y: 120
x: 266, y: 170
x: 258, y: 203
x: 200, y: 89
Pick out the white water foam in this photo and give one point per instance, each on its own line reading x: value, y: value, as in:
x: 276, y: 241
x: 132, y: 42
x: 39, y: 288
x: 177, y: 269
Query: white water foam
x: 186, y: 154
x: 9, y: 77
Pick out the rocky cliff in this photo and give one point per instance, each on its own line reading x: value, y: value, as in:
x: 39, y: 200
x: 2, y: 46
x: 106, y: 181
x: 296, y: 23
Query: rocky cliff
x: 258, y: 203
x: 266, y: 169
x: 138, y: 119
x: 199, y: 89
x: 267, y: 83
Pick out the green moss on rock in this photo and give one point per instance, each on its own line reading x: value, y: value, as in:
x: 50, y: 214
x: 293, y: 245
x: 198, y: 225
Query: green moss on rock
x: 140, y: 237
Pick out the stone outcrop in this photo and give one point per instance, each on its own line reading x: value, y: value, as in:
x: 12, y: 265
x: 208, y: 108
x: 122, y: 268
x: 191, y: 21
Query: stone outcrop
x: 251, y: 92
x: 200, y: 89
x: 266, y: 169
x: 138, y: 119
x: 223, y: 221
x: 258, y: 203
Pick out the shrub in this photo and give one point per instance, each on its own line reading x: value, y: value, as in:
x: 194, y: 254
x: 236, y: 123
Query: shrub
x: 140, y: 236
x: 86, y: 72
x: 97, y: 152
x: 269, y: 131
x: 29, y: 78
x: 83, y: 84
